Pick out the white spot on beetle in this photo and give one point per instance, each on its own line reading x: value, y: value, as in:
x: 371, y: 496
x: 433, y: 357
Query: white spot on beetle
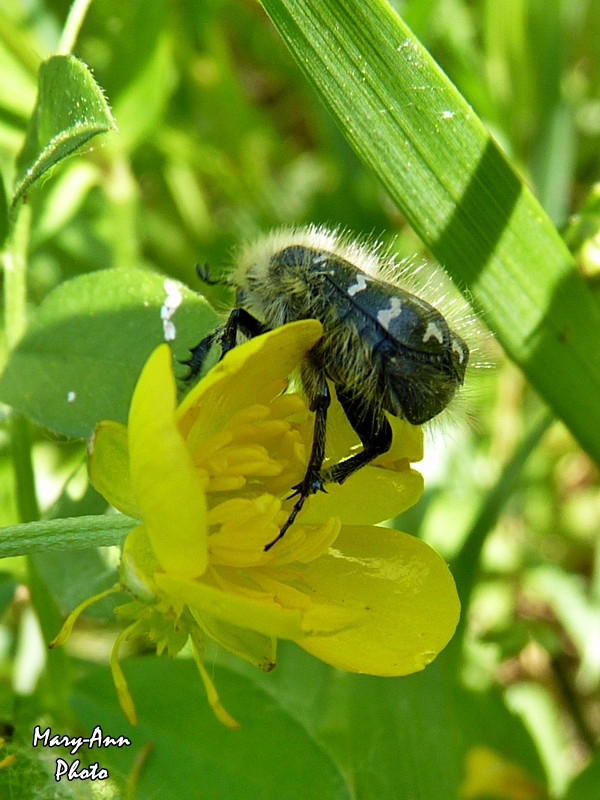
x: 459, y: 349
x: 71, y: 397
x: 388, y: 315
x: 169, y: 307
x: 359, y: 286
x: 433, y: 332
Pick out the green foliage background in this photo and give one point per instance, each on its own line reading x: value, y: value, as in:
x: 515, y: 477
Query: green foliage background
x: 231, y: 122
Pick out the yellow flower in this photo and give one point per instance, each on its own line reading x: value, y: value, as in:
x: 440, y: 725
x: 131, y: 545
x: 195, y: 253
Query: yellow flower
x: 210, y: 481
x: 7, y: 760
x: 488, y: 774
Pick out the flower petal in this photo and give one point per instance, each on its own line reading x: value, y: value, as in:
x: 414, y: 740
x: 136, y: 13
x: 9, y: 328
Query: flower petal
x: 264, y: 617
x: 369, y: 496
x: 407, y: 443
x: 253, y: 373
x: 164, y: 479
x: 380, y: 491
x: 108, y: 464
x: 407, y: 439
x: 406, y: 590
x: 489, y: 774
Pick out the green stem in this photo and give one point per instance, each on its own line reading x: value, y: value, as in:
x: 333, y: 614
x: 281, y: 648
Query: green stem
x: 27, y: 503
x: 466, y: 565
x: 14, y: 261
x: 72, y: 27
x: 70, y: 533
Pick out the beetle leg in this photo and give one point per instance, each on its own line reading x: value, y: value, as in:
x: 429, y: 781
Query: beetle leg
x: 373, y: 430
x: 312, y: 481
x: 226, y: 335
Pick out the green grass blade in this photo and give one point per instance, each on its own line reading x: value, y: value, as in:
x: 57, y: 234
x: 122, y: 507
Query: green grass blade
x: 465, y: 567
x: 417, y: 133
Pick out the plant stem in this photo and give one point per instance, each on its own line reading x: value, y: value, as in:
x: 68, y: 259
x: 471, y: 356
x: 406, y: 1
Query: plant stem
x: 70, y: 533
x: 14, y: 260
x: 72, y: 27
x: 27, y: 503
x: 465, y: 566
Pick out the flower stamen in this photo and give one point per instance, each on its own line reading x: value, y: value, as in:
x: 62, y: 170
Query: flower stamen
x: 211, y: 693
x: 123, y: 693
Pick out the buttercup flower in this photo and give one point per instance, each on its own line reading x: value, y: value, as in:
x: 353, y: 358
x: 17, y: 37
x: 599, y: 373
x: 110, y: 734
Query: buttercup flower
x: 7, y: 760
x: 210, y: 481
x: 488, y: 774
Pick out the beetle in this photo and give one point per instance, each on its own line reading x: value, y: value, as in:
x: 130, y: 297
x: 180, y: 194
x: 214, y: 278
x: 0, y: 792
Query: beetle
x: 384, y: 348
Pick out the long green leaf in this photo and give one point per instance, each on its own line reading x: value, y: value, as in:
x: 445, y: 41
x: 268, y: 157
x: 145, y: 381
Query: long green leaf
x: 417, y: 133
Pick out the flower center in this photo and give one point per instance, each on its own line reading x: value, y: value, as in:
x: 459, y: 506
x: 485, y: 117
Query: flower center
x: 249, y: 467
